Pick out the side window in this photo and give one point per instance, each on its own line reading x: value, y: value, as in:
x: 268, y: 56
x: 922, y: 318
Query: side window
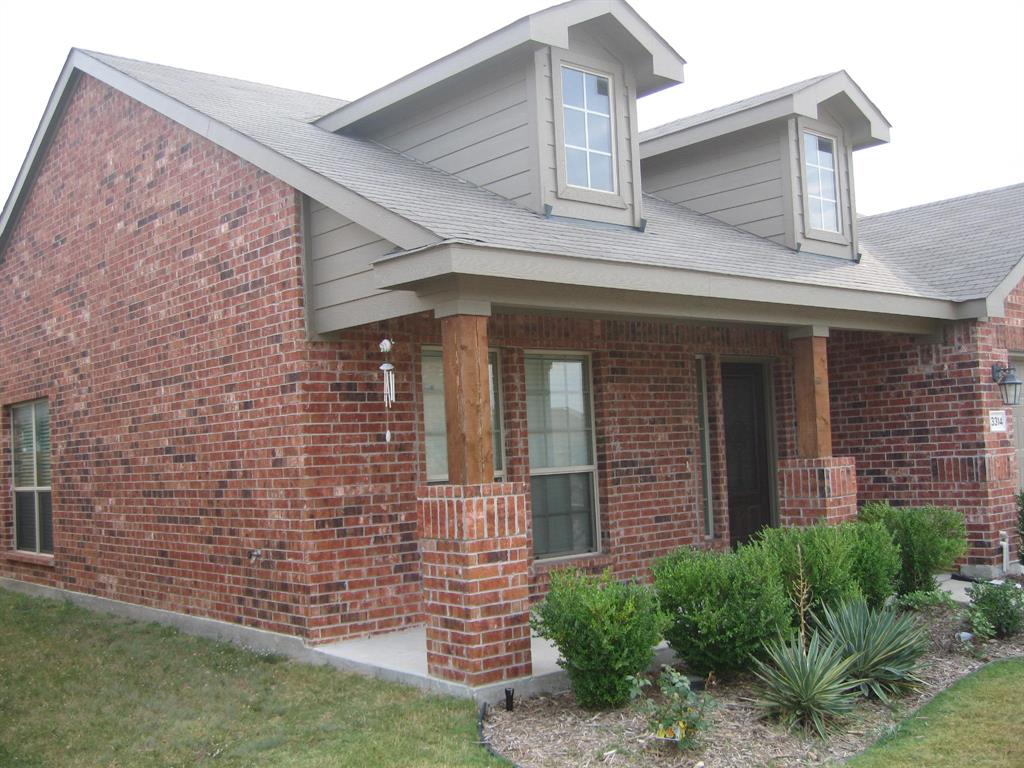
x: 33, y: 518
x: 822, y: 183
x: 563, y: 471
x: 434, y: 417
x: 589, y: 143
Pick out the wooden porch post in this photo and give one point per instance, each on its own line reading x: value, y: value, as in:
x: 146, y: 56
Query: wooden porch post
x: 813, y: 420
x: 467, y: 399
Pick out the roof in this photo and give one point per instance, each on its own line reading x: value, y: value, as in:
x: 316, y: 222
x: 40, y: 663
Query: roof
x: 416, y: 205
x: 961, y: 247
x: 550, y: 26
x: 869, y: 125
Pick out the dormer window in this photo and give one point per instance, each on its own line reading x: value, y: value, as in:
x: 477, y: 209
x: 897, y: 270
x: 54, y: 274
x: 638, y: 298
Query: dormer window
x: 822, y: 183
x: 589, y: 143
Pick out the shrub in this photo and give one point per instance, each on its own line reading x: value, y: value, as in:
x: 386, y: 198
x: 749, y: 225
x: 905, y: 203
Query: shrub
x: 827, y: 556
x: 723, y: 605
x: 605, y: 630
x: 1000, y: 605
x: 932, y: 598
x: 876, y: 561
x: 930, y: 540
x: 806, y: 686
x: 884, y: 646
x: 680, y: 714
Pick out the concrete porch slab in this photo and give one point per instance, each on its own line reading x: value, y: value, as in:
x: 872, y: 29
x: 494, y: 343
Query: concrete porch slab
x: 402, y: 657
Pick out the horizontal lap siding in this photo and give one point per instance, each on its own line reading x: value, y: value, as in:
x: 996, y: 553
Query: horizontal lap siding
x: 481, y: 134
x: 737, y: 179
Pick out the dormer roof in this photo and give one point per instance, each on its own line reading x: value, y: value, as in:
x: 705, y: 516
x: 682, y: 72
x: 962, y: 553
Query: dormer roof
x: 837, y: 91
x: 656, y: 65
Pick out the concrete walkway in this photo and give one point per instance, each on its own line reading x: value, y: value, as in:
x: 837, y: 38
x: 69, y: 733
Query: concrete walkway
x: 402, y: 657
x: 956, y: 588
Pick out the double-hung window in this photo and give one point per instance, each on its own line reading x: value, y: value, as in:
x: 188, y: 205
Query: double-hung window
x: 33, y: 519
x: 587, y: 125
x: 434, y: 415
x: 822, y: 185
x: 562, y: 468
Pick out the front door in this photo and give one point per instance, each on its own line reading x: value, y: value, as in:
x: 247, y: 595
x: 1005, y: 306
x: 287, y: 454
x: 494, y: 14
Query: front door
x: 746, y: 449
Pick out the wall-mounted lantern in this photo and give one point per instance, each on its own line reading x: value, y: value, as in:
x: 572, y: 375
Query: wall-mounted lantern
x: 1009, y: 385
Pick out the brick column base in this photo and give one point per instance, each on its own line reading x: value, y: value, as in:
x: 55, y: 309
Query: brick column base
x: 817, y: 490
x: 475, y: 581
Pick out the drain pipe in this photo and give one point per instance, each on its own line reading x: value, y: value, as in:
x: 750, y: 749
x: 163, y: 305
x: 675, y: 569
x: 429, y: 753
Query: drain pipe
x: 1004, y: 542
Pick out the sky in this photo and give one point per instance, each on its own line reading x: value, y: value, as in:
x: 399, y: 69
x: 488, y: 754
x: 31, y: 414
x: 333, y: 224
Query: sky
x: 949, y: 76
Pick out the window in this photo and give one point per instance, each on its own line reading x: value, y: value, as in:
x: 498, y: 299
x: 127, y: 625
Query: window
x: 30, y: 448
x: 434, y: 417
x: 822, y: 183
x: 705, y: 445
x: 562, y: 469
x: 587, y: 117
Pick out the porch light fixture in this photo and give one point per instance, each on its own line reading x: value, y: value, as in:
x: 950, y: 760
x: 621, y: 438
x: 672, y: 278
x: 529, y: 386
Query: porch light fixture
x: 1009, y: 385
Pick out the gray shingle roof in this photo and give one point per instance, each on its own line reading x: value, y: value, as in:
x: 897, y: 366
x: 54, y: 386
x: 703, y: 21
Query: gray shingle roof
x: 454, y: 209
x: 729, y: 109
x: 961, y: 247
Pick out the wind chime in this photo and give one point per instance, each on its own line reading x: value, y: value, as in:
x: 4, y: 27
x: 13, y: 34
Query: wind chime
x: 388, y: 372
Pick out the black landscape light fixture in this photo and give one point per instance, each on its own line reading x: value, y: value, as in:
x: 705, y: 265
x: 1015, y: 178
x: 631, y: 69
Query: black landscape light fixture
x: 1009, y: 384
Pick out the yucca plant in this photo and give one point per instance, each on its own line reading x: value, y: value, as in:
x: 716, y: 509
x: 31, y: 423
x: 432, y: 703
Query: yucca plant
x: 806, y: 686
x: 884, y: 646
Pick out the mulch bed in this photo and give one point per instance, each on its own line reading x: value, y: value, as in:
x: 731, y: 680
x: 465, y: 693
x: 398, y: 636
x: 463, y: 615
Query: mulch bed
x: 551, y: 731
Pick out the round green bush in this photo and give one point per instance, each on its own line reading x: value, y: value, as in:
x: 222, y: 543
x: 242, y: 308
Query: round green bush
x: 930, y: 540
x: 605, y: 631
x: 876, y: 561
x: 724, y: 606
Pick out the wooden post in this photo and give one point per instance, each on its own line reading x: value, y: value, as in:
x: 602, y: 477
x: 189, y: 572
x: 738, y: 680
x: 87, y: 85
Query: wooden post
x: 467, y: 399
x: 813, y: 420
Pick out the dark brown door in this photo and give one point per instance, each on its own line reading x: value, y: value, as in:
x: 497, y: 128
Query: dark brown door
x: 746, y: 449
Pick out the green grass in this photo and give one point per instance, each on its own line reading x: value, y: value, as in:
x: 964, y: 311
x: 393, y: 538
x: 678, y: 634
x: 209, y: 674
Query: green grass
x: 975, y: 723
x: 84, y: 689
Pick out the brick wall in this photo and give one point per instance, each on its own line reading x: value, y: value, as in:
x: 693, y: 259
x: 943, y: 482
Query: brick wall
x: 914, y: 414
x: 152, y: 291
x: 365, y: 556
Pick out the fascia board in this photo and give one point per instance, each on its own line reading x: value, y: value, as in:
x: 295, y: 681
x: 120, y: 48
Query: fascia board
x: 368, y: 214
x: 809, y: 99
x: 779, y: 109
x: 406, y: 270
x: 995, y: 302
x: 549, y: 27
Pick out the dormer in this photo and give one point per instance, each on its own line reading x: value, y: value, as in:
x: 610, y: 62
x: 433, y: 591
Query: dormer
x: 779, y: 165
x: 542, y: 112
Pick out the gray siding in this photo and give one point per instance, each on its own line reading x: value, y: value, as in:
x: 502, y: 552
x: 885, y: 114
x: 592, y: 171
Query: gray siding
x: 340, y: 290
x: 478, y: 130
x: 737, y: 179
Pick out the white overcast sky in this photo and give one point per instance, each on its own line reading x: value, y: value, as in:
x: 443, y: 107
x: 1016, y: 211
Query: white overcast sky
x: 948, y: 75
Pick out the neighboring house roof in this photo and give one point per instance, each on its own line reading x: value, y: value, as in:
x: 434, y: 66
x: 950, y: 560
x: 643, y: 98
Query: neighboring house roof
x: 548, y: 27
x: 417, y: 206
x: 801, y: 98
x: 961, y: 247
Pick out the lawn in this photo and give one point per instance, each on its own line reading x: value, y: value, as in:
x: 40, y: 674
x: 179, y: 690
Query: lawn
x: 84, y: 689
x: 975, y: 722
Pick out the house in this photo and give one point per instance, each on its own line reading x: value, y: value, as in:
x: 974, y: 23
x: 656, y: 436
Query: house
x: 603, y: 343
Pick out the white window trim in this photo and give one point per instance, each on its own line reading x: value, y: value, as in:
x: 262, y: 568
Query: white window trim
x: 591, y: 468
x: 837, y: 200
x: 842, y: 237
x: 35, y: 488
x: 616, y: 82
x: 586, y: 111
x: 499, y: 474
